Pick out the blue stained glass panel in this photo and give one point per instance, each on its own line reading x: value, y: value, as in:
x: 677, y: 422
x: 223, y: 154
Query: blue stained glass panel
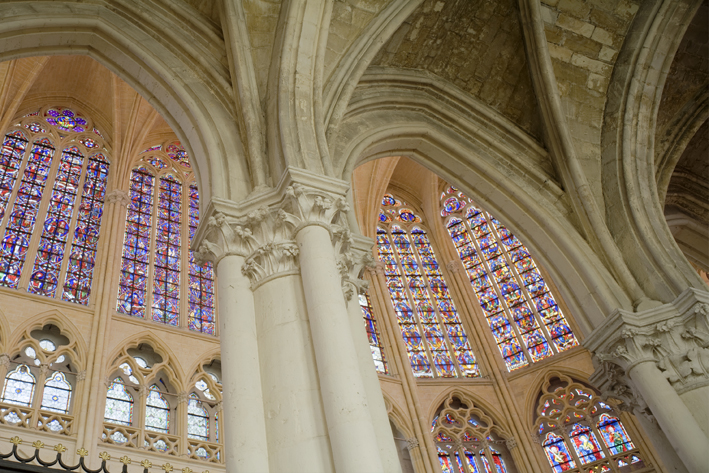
x: 19, y: 386
x: 13, y: 248
x: 614, y: 435
x: 13, y: 150
x: 57, y: 394
x: 55, y: 233
x: 157, y: 411
x: 82, y: 258
x: 558, y: 453
x: 166, y: 280
x: 585, y: 444
x: 201, y: 279
x: 197, y: 419
x: 136, y: 247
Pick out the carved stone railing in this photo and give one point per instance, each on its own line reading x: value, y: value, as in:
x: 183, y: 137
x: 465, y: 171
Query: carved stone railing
x: 201, y: 450
x: 161, y: 443
x: 47, y: 421
x: 121, y: 435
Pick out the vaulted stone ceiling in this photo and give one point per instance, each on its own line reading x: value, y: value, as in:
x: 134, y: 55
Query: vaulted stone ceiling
x: 688, y: 191
x: 475, y: 44
x: 124, y: 117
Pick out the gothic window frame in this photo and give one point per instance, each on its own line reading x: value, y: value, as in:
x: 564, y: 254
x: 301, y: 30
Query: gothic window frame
x: 158, y: 163
x: 467, y: 438
x: 75, y: 272
x: 566, y: 409
x: 206, y: 387
x: 60, y: 357
x: 374, y: 337
x: 396, y: 213
x: 503, y: 299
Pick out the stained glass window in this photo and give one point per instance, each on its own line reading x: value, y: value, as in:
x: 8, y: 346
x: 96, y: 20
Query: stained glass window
x: 157, y: 411
x: 464, y: 443
x: 20, y: 224
x: 136, y: 247
x: 572, y: 421
x: 435, y: 339
x: 13, y: 150
x: 82, y: 258
x: 21, y: 202
x: 201, y: 279
x: 151, y: 282
x: 524, y: 317
x: 166, y: 279
x: 375, y: 344
x: 177, y: 153
x: 19, y: 386
x: 57, y: 394
x: 197, y: 419
x: 119, y: 404
x: 52, y: 244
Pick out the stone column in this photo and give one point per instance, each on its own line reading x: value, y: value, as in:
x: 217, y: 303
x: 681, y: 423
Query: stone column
x: 243, y: 419
x: 385, y: 439
x: 650, y: 359
x: 349, y: 423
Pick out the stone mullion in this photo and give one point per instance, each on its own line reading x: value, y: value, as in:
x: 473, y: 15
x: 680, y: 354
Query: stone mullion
x: 607, y: 454
x: 149, y: 278
x: 412, y: 301
x: 183, y: 316
x: 38, y: 394
x: 498, y: 291
x: 408, y: 382
x: 434, y: 303
x: 564, y: 432
x: 525, y: 293
x: 523, y: 457
x: 36, y: 236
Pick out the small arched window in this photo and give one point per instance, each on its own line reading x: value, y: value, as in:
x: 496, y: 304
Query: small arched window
x: 433, y: 333
x: 19, y: 386
x: 197, y: 419
x: 468, y: 440
x: 375, y: 340
x: 525, y: 320
x: 579, y: 432
x: 119, y: 404
x: 157, y: 411
x: 151, y: 282
x: 57, y: 394
x: 64, y: 191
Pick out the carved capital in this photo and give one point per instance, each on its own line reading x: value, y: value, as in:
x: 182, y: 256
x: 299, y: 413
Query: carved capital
x: 81, y: 375
x: 118, y: 196
x: 310, y: 206
x: 454, y: 266
x: 5, y: 360
x: 511, y: 443
x: 412, y: 443
x: 674, y: 336
x: 182, y: 397
x: 353, y: 257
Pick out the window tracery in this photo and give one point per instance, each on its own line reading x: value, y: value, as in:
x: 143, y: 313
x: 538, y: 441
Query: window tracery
x: 579, y: 432
x: 436, y: 342
x: 164, y: 213
x: 60, y: 180
x: 468, y: 440
x: 40, y: 382
x: 203, y: 409
x: 523, y: 315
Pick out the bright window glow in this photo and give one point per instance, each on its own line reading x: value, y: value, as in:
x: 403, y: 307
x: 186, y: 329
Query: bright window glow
x: 57, y: 394
x: 197, y: 419
x: 415, y: 282
x: 524, y: 317
x: 47, y: 345
x: 157, y: 411
x: 19, y: 386
x: 375, y: 344
x: 119, y: 404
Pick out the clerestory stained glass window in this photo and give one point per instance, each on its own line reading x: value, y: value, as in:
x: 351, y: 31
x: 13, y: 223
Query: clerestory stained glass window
x: 524, y: 317
x: 19, y: 386
x: 201, y: 279
x: 57, y: 394
x: 166, y: 278
x: 151, y: 283
x: 435, y: 339
x: 197, y: 419
x: 157, y: 411
x: 375, y: 343
x: 119, y: 404
x: 25, y: 201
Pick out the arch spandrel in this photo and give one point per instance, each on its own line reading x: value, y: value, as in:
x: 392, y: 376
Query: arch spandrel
x: 199, y: 110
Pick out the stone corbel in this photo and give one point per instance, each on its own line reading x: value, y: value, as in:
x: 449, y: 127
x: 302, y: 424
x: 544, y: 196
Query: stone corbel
x: 117, y: 196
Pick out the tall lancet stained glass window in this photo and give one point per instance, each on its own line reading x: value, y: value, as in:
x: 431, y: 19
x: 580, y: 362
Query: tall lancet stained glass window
x: 58, y: 181
x: 375, y: 340
x: 162, y: 217
x: 523, y: 315
x: 435, y: 339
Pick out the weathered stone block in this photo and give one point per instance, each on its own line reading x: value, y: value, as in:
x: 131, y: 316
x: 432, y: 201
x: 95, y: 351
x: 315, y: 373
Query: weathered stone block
x: 591, y: 64
x: 570, y: 23
x: 577, y: 8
